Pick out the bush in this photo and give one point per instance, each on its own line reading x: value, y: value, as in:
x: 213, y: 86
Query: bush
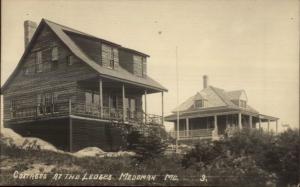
x: 147, y: 144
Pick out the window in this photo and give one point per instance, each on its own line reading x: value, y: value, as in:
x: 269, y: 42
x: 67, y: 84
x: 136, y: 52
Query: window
x: 13, y: 108
x: 47, y: 103
x: 54, y: 54
x: 70, y: 60
x: 199, y: 103
x: 109, y: 56
x: 139, y: 63
x: 38, y: 62
x: 243, y: 104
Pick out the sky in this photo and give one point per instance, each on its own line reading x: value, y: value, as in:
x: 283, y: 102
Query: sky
x: 240, y: 44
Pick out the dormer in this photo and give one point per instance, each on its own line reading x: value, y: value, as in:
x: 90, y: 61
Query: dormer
x: 133, y: 61
x: 239, y: 98
x: 200, y: 101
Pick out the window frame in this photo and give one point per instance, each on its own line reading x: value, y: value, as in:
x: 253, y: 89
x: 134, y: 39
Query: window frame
x: 199, y: 103
x: 38, y: 62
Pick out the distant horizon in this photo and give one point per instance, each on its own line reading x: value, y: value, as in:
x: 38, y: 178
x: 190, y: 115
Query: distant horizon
x: 249, y: 45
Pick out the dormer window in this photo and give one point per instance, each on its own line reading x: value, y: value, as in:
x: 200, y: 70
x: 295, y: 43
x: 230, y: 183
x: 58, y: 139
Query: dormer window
x: 199, y: 103
x: 243, y: 104
x: 109, y: 56
x: 139, y: 65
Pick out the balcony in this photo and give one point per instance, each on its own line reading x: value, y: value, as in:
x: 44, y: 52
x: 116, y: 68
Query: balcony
x: 63, y: 109
x: 193, y: 134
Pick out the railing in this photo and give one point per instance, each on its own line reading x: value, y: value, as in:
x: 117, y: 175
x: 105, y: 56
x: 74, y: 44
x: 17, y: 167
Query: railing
x: 190, y: 134
x: 81, y: 109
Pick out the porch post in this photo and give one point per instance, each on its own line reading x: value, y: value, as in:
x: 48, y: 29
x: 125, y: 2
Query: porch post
x: 101, y: 98
x: 123, y: 98
x: 162, y: 108
x: 250, y: 121
x: 268, y: 125
x: 240, y: 120
x: 215, y: 131
x: 187, y: 126
x: 276, y: 126
x: 259, y: 121
x: 145, y: 106
x: 70, y: 133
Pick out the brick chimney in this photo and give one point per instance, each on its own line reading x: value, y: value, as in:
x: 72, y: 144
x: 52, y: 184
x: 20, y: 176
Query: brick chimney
x: 205, y: 81
x: 29, y: 29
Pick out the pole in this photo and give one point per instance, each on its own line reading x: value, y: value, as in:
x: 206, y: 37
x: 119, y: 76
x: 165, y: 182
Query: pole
x: 177, y: 85
x: 162, y: 108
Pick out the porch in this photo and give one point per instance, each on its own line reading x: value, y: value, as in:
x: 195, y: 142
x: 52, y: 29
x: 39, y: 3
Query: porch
x: 97, y: 98
x: 214, y: 126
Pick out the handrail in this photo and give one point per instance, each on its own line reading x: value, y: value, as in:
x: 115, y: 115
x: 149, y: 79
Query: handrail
x: 69, y: 107
x: 192, y: 133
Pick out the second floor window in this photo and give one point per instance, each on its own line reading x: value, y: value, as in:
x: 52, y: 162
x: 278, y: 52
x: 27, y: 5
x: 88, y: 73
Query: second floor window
x: 109, y: 56
x: 199, y: 103
x: 54, y: 54
x: 243, y: 104
x: 39, y: 62
x: 70, y: 60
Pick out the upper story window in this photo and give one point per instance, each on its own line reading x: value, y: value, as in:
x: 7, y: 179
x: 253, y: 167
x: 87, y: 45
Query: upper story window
x: 109, y: 56
x: 199, y: 103
x: 70, y: 60
x: 139, y: 65
x: 54, y: 54
x: 243, y: 104
x: 38, y: 62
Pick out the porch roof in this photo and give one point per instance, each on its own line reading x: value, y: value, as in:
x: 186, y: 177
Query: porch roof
x: 218, y: 111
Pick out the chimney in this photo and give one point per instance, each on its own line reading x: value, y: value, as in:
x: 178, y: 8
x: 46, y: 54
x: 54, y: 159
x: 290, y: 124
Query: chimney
x: 29, y: 29
x: 205, y: 81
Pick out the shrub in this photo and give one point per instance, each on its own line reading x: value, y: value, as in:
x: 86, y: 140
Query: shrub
x: 147, y: 144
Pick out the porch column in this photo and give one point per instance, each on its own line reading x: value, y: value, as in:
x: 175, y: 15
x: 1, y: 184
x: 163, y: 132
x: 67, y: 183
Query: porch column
x: 250, y: 121
x: 123, y: 99
x: 187, y: 126
x: 276, y: 126
x: 259, y: 121
x: 101, y: 98
x: 162, y: 108
x: 71, y: 133
x: 145, y: 106
x: 268, y: 125
x: 240, y: 120
x: 216, y: 123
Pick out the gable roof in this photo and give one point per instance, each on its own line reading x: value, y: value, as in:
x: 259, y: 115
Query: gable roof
x: 120, y: 74
x: 216, y: 98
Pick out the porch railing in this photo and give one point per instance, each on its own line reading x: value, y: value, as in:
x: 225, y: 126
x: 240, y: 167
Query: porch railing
x: 190, y: 134
x: 32, y: 112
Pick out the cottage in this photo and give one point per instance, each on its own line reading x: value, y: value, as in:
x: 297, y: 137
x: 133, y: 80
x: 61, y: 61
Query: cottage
x: 208, y: 113
x: 70, y: 87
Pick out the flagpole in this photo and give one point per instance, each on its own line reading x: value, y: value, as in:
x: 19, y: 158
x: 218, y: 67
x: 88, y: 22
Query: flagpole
x: 177, y: 85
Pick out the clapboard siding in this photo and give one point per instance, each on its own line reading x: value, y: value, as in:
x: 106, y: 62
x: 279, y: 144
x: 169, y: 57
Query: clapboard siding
x: 126, y: 60
x: 89, y: 46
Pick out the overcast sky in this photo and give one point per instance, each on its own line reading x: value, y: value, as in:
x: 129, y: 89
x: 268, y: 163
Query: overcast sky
x: 239, y: 44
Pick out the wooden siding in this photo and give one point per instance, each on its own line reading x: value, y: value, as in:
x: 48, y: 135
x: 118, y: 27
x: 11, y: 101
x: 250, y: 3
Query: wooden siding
x: 106, y: 52
x: 90, y: 47
x: 126, y: 60
x: 24, y: 88
x: 95, y: 134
